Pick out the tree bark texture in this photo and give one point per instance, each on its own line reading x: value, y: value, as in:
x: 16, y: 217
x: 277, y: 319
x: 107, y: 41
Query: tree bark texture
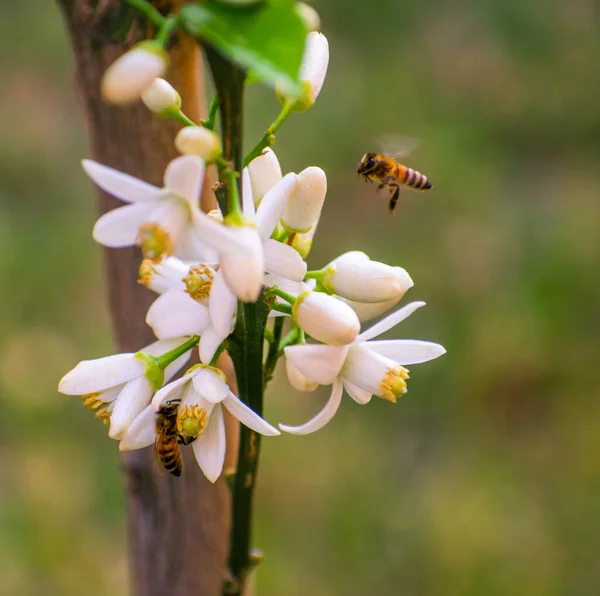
x: 178, y: 527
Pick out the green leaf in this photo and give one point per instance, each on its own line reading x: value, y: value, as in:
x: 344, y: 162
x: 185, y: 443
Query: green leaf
x: 267, y: 38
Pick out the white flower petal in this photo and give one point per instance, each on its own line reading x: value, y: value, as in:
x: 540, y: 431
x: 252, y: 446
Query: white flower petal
x: 119, y: 227
x: 171, y: 216
x: 175, y: 313
x: 304, y: 207
x: 390, y: 321
x: 161, y: 96
x: 132, y: 73
x: 210, y: 385
x: 136, y: 396
x: 91, y: 376
x: 407, y: 351
x: 244, y: 271
x: 120, y: 185
x: 367, y: 281
x: 248, y: 417
x: 191, y: 246
x: 247, y: 199
x: 294, y: 288
x: 209, y: 447
x: 221, y: 237
x: 265, y: 173
x: 173, y: 390
x: 184, y: 176
x: 370, y: 310
x: 326, y: 318
x: 209, y: 342
x: 323, y: 417
x: 315, y: 62
x: 359, y: 395
x: 297, y: 379
x: 141, y: 432
x: 163, y: 276
x: 367, y: 369
x: 318, y: 363
x: 221, y: 304
x: 274, y: 204
x: 281, y: 259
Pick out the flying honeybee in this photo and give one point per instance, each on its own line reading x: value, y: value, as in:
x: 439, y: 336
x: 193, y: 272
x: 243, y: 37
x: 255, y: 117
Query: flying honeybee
x: 166, y: 445
x: 376, y: 167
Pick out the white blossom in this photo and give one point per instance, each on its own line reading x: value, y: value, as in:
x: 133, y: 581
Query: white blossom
x: 196, y: 140
x: 203, y: 393
x: 356, y: 277
x: 122, y: 381
x: 304, y: 207
x: 326, y: 318
x: 130, y: 75
x: 363, y: 369
x: 264, y: 173
x: 161, y: 98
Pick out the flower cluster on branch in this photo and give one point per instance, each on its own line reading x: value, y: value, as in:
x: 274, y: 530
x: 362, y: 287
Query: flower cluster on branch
x: 205, y: 267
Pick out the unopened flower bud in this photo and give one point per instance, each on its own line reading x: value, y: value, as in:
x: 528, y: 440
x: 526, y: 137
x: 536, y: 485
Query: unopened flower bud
x: 265, y: 173
x: 366, y: 280
x: 326, y: 318
x: 195, y: 140
x: 130, y: 75
x: 304, y: 207
x: 297, y: 379
x: 161, y: 98
x: 309, y: 16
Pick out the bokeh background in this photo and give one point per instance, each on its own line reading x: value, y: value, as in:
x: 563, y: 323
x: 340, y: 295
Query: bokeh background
x: 485, y: 478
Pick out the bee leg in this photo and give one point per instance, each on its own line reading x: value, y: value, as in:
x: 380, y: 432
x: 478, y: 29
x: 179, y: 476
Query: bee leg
x: 380, y: 187
x: 394, y: 198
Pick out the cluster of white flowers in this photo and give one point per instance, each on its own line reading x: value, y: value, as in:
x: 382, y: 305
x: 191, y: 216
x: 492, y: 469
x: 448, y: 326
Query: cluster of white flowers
x: 201, y: 265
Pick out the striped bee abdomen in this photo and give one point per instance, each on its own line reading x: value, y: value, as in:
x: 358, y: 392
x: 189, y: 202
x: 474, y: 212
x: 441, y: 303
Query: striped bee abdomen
x: 416, y: 180
x: 170, y: 456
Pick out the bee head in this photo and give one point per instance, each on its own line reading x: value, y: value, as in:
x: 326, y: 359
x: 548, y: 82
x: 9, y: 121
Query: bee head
x: 366, y: 164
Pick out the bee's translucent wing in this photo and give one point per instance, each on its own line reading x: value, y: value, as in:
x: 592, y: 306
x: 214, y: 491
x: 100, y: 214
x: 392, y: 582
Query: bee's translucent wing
x: 395, y: 146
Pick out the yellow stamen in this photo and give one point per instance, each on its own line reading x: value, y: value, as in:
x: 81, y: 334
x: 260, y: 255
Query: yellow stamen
x: 146, y: 271
x: 393, y: 384
x: 199, y: 282
x: 216, y: 215
x: 93, y: 403
x: 191, y: 421
x: 154, y: 242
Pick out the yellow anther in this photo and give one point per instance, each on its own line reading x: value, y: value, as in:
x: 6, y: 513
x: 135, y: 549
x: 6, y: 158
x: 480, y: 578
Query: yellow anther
x: 93, y: 403
x: 191, y: 421
x: 104, y: 415
x: 393, y: 384
x: 154, y: 242
x: 216, y: 215
x: 146, y: 271
x: 199, y: 282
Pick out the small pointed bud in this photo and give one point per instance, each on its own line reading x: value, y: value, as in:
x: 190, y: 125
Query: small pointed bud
x: 304, y: 207
x: 265, y: 173
x: 326, y: 318
x: 161, y: 98
x: 130, y: 75
x: 195, y: 140
x: 297, y: 379
x: 310, y: 17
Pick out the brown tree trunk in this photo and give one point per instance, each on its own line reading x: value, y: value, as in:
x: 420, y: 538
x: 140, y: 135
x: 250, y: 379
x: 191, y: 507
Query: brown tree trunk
x: 177, y: 526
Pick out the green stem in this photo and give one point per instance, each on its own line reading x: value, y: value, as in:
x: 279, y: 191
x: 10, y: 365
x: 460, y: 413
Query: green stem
x: 218, y: 353
x: 269, y: 137
x: 181, y: 117
x: 246, y: 350
x: 168, y: 357
x: 229, y: 83
x: 166, y: 29
x: 318, y: 275
x: 282, y: 294
x: 274, y: 352
x: 290, y: 338
x: 213, y: 110
x: 284, y: 308
x: 148, y: 11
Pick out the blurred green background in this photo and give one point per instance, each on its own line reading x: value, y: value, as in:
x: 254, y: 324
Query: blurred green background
x: 485, y: 478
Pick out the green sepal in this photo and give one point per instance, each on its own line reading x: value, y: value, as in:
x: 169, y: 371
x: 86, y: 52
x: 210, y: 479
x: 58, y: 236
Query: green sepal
x: 152, y: 370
